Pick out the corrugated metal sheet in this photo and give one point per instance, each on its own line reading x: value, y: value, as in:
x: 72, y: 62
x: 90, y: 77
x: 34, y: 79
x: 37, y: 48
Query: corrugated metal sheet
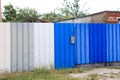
x: 97, y: 43
x: 5, y: 47
x: 27, y: 46
x: 90, y: 43
x: 32, y: 46
x: 64, y: 50
x: 44, y: 45
x: 22, y: 55
x: 113, y: 42
x: 82, y: 44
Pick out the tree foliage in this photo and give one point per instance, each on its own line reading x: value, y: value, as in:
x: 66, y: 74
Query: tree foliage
x: 72, y: 10
x: 26, y: 14
x: 9, y: 13
x: 50, y: 17
x: 69, y: 10
x: 13, y: 14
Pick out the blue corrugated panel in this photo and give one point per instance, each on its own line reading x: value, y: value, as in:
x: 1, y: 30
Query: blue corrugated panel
x: 72, y: 46
x: 97, y: 43
x: 113, y: 42
x: 91, y: 43
x: 82, y: 44
x: 57, y: 45
x: 104, y: 43
x: 118, y: 42
x: 64, y: 50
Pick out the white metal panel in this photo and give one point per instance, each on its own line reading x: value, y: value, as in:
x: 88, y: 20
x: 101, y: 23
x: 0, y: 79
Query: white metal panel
x: 47, y: 45
x: 22, y: 55
x: 8, y: 47
x: 14, y: 47
x: 51, y: 46
x: 20, y: 47
x: 2, y: 46
x: 43, y: 45
x: 31, y: 46
x: 42, y: 49
x: 36, y: 45
x: 25, y: 44
x: 5, y: 47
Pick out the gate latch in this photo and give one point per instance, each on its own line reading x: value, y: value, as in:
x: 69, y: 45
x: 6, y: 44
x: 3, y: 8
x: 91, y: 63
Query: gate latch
x: 72, y: 39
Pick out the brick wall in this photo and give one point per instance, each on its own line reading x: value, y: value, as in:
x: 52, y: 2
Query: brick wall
x: 112, y: 17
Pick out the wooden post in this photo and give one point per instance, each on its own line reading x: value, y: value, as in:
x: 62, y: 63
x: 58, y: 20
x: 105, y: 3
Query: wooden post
x: 0, y: 12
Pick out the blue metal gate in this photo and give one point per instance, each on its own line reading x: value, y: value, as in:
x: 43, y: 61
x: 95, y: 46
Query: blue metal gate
x: 94, y: 43
x: 64, y: 50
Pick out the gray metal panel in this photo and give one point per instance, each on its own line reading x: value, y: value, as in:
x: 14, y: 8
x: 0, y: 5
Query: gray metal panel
x: 25, y: 45
x: 20, y: 47
x: 31, y: 47
x: 14, y: 47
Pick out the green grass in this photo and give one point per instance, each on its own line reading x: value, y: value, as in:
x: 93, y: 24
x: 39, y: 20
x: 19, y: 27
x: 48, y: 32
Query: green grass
x: 92, y: 77
x: 43, y: 74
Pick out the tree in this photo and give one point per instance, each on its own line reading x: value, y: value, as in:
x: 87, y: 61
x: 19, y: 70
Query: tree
x: 51, y: 17
x: 13, y: 14
x: 9, y: 13
x: 72, y: 10
x: 27, y: 15
x: 69, y: 10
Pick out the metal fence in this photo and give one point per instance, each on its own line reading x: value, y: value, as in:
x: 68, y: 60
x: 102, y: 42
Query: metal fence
x: 29, y: 46
x: 26, y: 46
x: 94, y: 43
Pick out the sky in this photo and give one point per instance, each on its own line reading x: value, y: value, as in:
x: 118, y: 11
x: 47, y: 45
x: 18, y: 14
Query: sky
x: 44, y: 6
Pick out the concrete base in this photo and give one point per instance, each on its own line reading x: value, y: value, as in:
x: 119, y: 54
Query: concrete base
x: 98, y: 65
x: 113, y: 64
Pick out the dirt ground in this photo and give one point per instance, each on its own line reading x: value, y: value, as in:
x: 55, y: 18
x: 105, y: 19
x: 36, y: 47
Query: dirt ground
x: 98, y: 74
